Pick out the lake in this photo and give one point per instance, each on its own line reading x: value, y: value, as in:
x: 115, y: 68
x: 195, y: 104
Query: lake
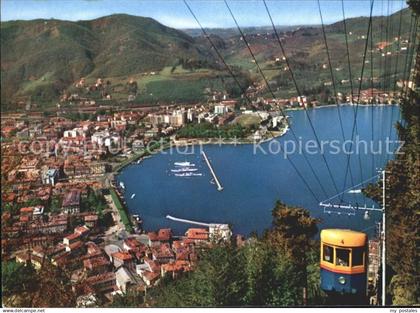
x: 254, y: 179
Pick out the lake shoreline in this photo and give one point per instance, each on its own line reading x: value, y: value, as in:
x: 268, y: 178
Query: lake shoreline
x: 220, y: 142
x: 252, y: 183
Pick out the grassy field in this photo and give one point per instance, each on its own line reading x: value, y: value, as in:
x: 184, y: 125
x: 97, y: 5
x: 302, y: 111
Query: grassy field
x: 168, y: 85
x: 247, y: 120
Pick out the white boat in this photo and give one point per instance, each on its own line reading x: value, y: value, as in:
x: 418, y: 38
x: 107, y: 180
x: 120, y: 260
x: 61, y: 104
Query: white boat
x: 132, y: 196
x: 122, y: 185
x: 183, y: 174
x: 184, y: 169
x: 355, y: 191
x: 188, y: 174
x: 186, y: 163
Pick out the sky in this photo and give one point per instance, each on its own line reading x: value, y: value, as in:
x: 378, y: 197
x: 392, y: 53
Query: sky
x: 211, y: 13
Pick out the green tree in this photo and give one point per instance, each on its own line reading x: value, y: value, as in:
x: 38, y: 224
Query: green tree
x: 271, y: 271
x: 130, y: 299
x: 403, y: 201
x: 291, y: 234
x: 17, y: 278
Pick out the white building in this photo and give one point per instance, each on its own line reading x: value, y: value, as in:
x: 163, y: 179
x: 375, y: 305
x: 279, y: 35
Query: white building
x: 220, y: 109
x: 50, y: 176
x: 105, y: 138
x: 276, y: 121
x: 190, y: 115
x: 178, y: 118
x: 75, y: 132
x: 220, y: 232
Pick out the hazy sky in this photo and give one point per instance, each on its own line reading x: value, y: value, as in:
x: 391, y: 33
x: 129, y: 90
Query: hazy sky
x: 211, y: 13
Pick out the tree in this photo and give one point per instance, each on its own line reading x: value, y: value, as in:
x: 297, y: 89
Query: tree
x: 403, y: 201
x: 54, y: 288
x: 17, y: 278
x: 130, y: 299
x: 292, y: 233
x: 402, y: 291
x: 55, y: 205
x: 270, y: 271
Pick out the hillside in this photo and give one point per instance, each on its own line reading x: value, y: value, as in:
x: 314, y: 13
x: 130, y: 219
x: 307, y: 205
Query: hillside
x: 305, y: 50
x: 42, y: 57
x: 225, y: 33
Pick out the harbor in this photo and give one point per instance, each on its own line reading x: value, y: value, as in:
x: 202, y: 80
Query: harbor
x: 252, y: 181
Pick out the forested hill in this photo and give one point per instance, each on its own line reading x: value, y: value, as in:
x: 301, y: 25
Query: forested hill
x: 42, y: 59
x: 45, y: 56
x: 403, y: 200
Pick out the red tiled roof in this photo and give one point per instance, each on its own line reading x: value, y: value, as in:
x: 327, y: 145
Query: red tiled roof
x: 91, y: 218
x: 76, y: 245
x: 81, y: 230
x: 152, y: 236
x: 132, y: 243
x: 177, y: 244
x: 164, y: 234
x: 24, y: 218
x: 62, y: 259
x: 125, y: 256
x: 176, y: 266
x: 72, y: 236
x: 95, y: 262
x: 163, y: 251
x: 197, y: 234
x: 151, y: 276
x: 92, y: 248
x: 71, y: 198
x: 152, y: 264
x: 101, y: 278
x: 183, y: 254
x: 27, y: 210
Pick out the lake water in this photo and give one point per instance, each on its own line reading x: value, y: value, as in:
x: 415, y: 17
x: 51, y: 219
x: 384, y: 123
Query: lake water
x: 254, y: 181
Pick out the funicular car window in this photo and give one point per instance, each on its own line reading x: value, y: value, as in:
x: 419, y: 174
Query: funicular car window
x: 342, y: 257
x: 357, y: 256
x: 328, y: 254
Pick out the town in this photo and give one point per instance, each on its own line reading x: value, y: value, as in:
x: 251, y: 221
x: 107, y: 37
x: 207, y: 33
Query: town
x: 60, y: 202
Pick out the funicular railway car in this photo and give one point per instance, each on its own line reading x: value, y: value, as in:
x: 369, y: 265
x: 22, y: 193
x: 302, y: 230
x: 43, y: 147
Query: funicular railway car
x: 344, y: 261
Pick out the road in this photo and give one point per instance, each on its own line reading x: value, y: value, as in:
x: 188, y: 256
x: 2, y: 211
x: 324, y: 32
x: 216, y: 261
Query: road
x: 111, y: 234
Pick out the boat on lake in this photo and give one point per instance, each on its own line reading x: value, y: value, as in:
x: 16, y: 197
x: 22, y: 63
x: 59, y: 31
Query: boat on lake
x: 184, y: 169
x: 132, y: 196
x: 184, y: 175
x: 122, y: 185
x: 184, y: 164
x: 188, y: 174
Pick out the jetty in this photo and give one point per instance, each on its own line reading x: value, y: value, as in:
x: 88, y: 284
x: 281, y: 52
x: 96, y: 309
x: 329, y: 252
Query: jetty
x: 216, y: 231
x: 219, y: 186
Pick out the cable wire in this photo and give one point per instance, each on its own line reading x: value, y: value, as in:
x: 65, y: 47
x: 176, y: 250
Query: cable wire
x: 291, y: 74
x: 239, y: 85
x: 334, y: 85
x: 395, y: 73
x: 358, y: 95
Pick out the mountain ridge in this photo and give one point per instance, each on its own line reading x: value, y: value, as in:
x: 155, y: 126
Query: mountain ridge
x: 42, y: 58
x: 60, y: 52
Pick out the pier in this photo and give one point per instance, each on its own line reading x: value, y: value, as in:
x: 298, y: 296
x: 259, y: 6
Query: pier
x: 219, y: 186
x: 216, y: 231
